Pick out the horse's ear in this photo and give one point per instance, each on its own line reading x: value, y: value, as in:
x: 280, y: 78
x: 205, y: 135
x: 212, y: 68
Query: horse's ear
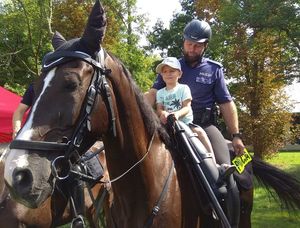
x: 57, y: 40
x: 95, y: 29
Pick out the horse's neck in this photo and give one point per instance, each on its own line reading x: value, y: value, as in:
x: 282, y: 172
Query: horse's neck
x: 131, y: 146
x: 141, y: 187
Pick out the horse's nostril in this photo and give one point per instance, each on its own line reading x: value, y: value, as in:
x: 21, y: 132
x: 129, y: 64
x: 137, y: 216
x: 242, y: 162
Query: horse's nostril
x: 22, y: 178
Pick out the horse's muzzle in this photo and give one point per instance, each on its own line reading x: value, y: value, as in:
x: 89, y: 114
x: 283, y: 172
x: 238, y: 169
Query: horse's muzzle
x: 22, y: 181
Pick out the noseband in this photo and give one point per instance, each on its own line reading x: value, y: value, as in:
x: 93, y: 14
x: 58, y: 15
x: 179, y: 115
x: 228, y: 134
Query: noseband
x: 98, y: 86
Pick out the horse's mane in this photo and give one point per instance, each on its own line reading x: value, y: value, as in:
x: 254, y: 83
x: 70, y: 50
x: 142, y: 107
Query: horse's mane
x: 149, y: 116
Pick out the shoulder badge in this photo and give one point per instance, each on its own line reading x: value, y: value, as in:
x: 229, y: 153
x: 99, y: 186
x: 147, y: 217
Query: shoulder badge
x: 214, y: 62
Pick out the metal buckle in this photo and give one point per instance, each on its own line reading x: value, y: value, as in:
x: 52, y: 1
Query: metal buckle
x: 77, y: 222
x: 57, y: 165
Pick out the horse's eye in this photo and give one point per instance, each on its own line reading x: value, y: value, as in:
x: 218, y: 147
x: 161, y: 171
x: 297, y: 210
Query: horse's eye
x: 71, y: 86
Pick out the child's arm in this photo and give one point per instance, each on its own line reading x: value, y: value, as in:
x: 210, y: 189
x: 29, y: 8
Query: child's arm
x: 161, y: 113
x: 186, y: 107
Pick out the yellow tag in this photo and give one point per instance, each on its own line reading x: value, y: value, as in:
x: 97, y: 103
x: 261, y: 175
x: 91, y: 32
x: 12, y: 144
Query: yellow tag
x: 241, y: 161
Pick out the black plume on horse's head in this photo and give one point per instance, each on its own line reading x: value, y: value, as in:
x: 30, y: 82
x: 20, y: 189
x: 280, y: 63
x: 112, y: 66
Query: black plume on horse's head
x: 91, y: 38
x: 95, y: 29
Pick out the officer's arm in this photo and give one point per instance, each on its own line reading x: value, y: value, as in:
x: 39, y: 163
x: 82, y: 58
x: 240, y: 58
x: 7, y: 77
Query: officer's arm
x: 229, y: 113
x: 230, y: 116
x: 17, y: 118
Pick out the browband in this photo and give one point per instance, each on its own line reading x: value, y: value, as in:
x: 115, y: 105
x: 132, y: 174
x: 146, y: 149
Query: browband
x: 53, y: 59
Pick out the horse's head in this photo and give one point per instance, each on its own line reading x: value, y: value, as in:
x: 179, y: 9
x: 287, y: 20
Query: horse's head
x: 60, y: 119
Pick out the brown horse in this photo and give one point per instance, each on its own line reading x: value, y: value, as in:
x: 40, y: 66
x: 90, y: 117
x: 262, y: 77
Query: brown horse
x: 84, y: 94
x: 14, y: 214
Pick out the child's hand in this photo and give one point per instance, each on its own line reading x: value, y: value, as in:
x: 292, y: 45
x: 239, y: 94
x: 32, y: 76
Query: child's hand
x: 176, y: 115
x: 163, y: 117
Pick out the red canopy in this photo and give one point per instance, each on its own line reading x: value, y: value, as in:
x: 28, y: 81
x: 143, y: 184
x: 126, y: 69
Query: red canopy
x: 8, y: 104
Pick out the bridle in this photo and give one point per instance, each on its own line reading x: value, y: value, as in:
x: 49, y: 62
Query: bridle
x: 98, y: 86
x: 72, y: 148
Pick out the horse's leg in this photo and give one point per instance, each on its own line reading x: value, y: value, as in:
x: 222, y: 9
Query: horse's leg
x: 246, y: 197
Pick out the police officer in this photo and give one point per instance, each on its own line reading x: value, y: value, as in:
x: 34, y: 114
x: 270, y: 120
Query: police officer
x: 205, y: 78
x: 24, y: 105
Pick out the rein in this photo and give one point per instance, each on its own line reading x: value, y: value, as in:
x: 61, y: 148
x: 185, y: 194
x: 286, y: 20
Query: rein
x: 156, y: 208
x: 137, y: 163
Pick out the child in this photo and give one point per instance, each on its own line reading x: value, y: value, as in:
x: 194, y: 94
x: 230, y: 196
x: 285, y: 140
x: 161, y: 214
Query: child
x: 176, y: 99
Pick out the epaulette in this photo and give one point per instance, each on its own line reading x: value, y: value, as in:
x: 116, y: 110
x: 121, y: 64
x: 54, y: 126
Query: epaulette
x: 214, y: 62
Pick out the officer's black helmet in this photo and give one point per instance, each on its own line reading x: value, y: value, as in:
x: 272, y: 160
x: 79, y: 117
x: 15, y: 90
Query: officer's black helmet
x: 197, y: 31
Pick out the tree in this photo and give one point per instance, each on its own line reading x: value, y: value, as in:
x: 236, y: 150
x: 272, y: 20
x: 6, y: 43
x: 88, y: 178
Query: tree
x: 126, y: 47
x: 257, y: 43
x: 26, y: 29
x: 70, y: 16
x: 24, y: 40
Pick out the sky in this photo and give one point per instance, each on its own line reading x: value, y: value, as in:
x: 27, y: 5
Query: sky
x: 294, y: 92
x: 155, y: 9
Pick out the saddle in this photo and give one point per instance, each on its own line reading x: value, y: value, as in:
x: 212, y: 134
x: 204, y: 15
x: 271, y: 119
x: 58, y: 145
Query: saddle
x: 204, y: 174
x: 205, y: 160
x: 244, y: 180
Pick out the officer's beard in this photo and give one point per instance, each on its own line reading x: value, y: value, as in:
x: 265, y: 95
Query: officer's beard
x: 192, y: 60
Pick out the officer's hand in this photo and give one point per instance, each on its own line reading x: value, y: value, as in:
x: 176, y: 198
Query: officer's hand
x: 238, y: 146
x: 15, y: 132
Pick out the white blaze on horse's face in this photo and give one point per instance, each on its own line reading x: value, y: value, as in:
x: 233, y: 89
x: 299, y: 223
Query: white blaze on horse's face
x: 18, y: 158
x: 26, y: 131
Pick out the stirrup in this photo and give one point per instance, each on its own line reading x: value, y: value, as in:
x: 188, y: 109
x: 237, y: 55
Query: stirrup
x: 226, y: 170
x: 78, y: 222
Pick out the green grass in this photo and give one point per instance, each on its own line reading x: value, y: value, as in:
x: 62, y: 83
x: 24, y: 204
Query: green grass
x: 267, y: 212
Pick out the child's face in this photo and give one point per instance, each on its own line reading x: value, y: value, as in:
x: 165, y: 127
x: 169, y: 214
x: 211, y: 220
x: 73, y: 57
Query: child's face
x: 170, y: 75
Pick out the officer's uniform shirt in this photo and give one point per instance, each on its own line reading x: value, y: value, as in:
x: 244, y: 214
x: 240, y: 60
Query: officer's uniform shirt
x: 28, y: 96
x: 206, y: 81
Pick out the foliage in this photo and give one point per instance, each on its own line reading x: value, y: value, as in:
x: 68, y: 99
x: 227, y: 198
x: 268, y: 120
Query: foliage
x: 69, y: 17
x: 295, y: 129
x: 24, y: 39
x: 122, y: 17
x: 260, y: 54
x: 126, y: 47
x: 27, y: 26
